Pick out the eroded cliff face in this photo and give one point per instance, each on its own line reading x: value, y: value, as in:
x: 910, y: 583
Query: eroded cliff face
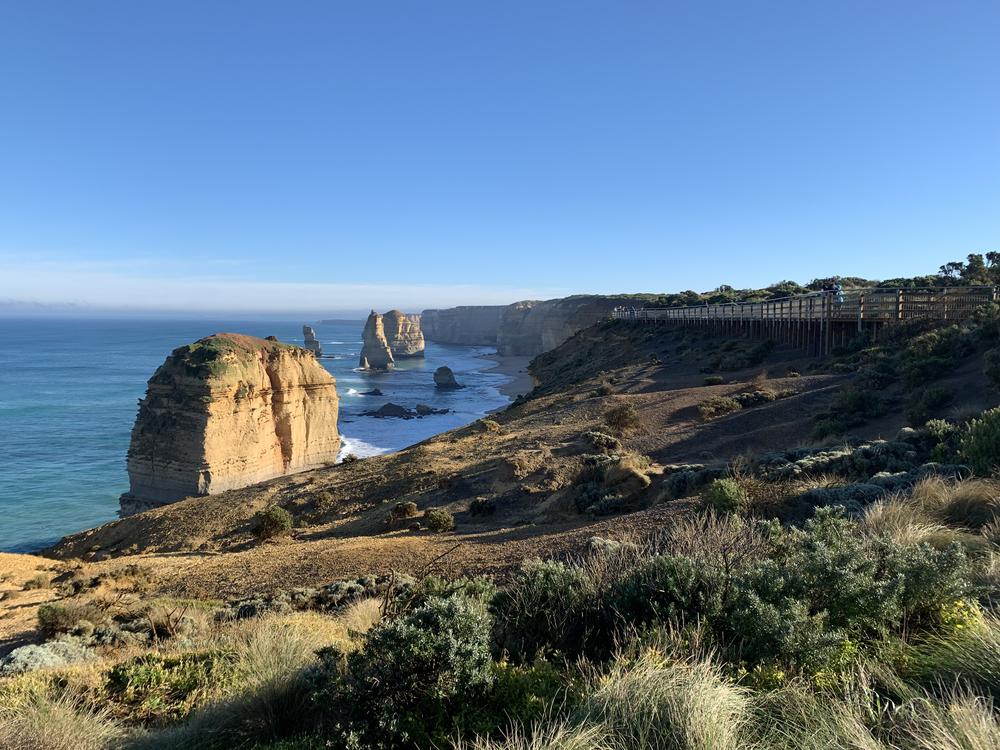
x: 470, y: 325
x: 403, y: 334
x: 375, y: 351
x: 228, y: 411
x: 529, y: 328
x: 522, y: 329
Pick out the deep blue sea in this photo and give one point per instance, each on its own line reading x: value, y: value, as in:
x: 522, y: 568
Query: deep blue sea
x: 69, y: 390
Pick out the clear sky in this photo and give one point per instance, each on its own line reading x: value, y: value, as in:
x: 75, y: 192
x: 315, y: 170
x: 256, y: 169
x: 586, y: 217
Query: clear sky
x: 331, y: 155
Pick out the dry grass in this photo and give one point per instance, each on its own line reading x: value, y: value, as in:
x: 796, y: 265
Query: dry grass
x: 901, y: 520
x: 653, y: 702
x: 970, y: 504
x: 963, y: 721
x: 361, y: 616
x: 44, y: 722
x: 546, y: 736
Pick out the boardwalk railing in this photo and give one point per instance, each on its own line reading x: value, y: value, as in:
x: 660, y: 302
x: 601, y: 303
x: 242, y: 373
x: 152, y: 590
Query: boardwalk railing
x: 822, y: 320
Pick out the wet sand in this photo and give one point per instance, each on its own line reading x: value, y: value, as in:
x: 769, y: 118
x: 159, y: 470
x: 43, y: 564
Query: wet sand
x: 515, y: 368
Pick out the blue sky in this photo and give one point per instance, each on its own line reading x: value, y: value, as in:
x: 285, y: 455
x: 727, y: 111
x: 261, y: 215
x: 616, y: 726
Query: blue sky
x: 329, y: 155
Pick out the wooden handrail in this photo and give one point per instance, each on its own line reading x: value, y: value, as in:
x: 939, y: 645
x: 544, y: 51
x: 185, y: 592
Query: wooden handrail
x: 885, y: 305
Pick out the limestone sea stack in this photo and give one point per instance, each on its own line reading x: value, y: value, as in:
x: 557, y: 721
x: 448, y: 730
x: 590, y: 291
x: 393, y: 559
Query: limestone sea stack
x: 310, y: 341
x: 403, y: 334
x: 228, y: 411
x: 375, y: 351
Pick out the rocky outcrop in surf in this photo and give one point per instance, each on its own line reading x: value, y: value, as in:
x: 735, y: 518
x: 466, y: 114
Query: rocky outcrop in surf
x: 229, y: 411
x: 310, y: 342
x: 375, y: 351
x: 444, y: 379
x: 403, y: 334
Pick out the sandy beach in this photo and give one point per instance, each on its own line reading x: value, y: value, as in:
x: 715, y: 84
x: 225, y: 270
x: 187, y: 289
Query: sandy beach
x: 515, y: 368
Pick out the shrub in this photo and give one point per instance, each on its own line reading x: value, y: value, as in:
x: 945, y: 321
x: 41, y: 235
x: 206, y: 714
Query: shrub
x: 859, y: 402
x: 407, y: 685
x: 438, y: 519
x: 927, y: 403
x: 666, y: 587
x: 603, y: 442
x: 827, y: 589
x: 717, y: 406
x: 272, y: 522
x: 603, y: 390
x: 940, y: 429
x: 932, y: 354
x: 992, y: 366
x: 404, y: 510
x: 323, y: 502
x: 979, y: 445
x: 714, y: 380
x: 623, y: 417
x: 61, y: 617
x: 40, y: 581
x: 483, y: 506
x: 48, y: 655
x: 725, y: 496
x: 548, y: 607
x: 155, y: 688
x: 489, y: 425
x: 350, y: 458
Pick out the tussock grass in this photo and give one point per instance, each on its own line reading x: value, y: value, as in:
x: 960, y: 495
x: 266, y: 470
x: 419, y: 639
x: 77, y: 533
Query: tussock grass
x: 968, y: 655
x: 46, y: 722
x: 901, y: 520
x: 655, y: 703
x: 969, y: 504
x: 554, y: 736
x: 962, y: 722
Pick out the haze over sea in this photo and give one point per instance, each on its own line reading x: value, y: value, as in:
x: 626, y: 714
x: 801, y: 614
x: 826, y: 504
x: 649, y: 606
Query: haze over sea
x: 69, y: 389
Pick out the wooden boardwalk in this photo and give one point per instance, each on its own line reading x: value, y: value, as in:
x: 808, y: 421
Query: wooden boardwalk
x: 821, y: 321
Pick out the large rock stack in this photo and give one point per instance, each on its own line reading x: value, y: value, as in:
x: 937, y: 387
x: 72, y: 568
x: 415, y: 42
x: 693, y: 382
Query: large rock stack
x: 403, y: 334
x: 310, y: 341
x: 375, y: 351
x: 228, y: 411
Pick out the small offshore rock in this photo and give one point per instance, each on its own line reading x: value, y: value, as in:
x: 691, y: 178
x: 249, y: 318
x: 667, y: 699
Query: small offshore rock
x: 444, y: 379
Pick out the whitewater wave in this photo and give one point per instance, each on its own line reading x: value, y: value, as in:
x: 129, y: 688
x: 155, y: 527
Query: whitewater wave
x: 359, y: 448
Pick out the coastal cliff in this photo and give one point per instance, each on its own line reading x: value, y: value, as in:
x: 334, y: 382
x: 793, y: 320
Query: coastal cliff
x: 469, y: 325
x: 529, y: 328
x: 225, y: 412
x: 403, y: 334
x: 525, y: 328
x: 375, y: 351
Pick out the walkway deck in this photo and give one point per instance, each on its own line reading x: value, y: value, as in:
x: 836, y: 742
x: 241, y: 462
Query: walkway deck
x: 820, y: 321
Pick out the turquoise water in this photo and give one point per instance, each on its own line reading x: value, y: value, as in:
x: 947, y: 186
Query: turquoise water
x: 69, y: 390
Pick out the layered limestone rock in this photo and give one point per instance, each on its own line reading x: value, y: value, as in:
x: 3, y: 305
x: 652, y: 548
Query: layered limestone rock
x: 310, y: 341
x: 403, y: 334
x: 229, y: 411
x: 470, y: 325
x: 375, y: 351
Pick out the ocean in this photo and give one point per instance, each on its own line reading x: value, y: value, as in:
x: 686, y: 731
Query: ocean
x: 68, y: 397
